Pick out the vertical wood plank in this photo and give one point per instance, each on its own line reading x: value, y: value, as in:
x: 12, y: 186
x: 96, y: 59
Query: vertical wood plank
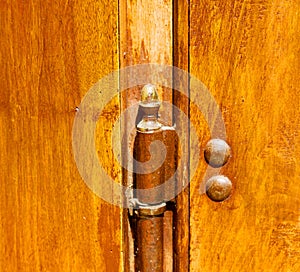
x: 247, y: 53
x: 51, y: 53
x: 145, y: 37
x: 181, y: 60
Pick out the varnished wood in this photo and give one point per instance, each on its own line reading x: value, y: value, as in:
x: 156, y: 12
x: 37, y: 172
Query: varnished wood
x: 51, y: 53
x: 181, y: 60
x: 247, y: 53
x: 146, y: 37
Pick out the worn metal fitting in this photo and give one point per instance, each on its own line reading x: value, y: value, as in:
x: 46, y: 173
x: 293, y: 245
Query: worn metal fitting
x: 146, y: 210
x: 149, y: 94
x: 218, y: 188
x: 217, y: 153
x: 152, y: 210
x: 149, y: 105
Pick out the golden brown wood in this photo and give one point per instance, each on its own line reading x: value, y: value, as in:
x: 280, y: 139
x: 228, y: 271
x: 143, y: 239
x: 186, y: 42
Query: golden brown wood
x: 247, y: 53
x: 168, y: 241
x: 181, y: 60
x: 170, y: 142
x: 51, y: 53
x: 146, y: 37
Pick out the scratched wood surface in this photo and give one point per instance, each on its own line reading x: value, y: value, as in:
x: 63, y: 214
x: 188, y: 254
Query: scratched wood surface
x: 247, y: 53
x: 51, y: 53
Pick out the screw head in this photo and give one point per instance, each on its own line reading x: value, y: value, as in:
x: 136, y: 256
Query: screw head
x: 218, y: 188
x: 217, y: 152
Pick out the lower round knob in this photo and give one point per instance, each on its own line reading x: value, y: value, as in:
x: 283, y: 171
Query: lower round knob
x: 218, y: 188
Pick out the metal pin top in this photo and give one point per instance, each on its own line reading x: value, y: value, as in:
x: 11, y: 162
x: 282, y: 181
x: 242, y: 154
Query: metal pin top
x: 149, y: 105
x: 149, y: 94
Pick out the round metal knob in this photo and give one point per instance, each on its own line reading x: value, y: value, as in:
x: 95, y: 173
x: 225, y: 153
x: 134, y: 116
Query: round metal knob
x: 218, y: 188
x: 217, y: 152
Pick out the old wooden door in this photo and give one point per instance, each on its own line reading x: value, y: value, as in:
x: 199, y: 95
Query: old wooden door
x: 247, y: 54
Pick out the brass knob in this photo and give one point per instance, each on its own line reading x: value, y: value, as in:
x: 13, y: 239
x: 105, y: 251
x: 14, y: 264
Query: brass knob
x: 218, y: 188
x: 217, y: 152
x: 149, y: 107
x: 149, y: 94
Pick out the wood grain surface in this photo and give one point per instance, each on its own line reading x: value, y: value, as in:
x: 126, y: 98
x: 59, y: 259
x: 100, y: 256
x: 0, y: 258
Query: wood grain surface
x: 247, y: 53
x: 51, y: 53
x: 181, y: 60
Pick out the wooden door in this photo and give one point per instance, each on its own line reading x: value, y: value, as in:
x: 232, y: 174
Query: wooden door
x: 245, y: 52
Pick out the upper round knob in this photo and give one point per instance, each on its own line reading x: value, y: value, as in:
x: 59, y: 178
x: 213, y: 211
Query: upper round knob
x: 217, y: 152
